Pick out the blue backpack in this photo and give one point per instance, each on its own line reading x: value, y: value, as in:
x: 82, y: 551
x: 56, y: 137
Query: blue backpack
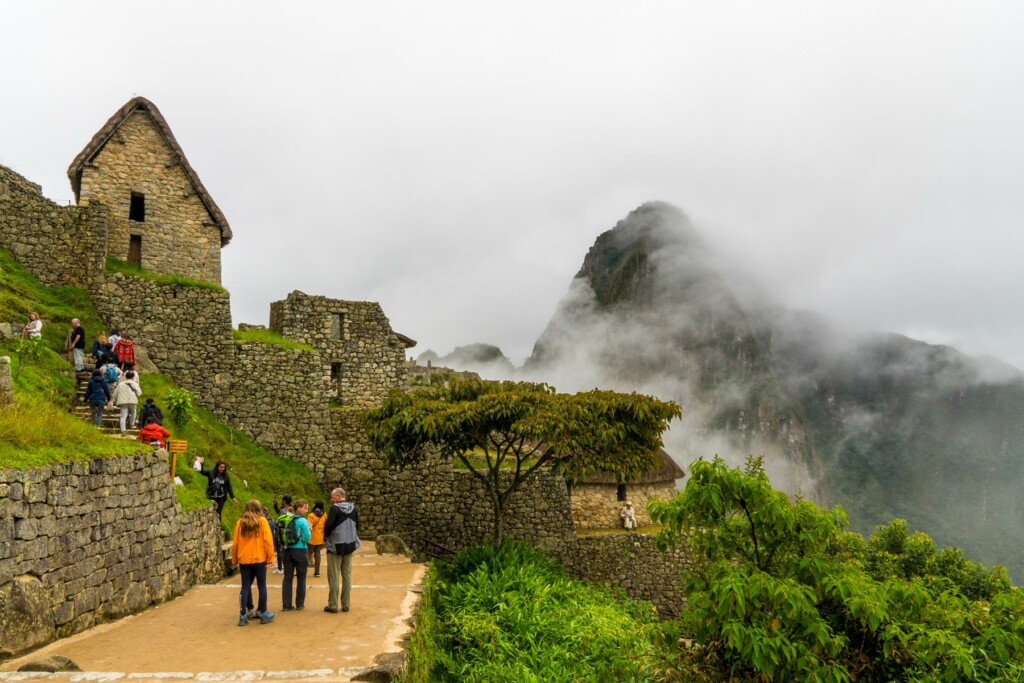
x: 111, y: 373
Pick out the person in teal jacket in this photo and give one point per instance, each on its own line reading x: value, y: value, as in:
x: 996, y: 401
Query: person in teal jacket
x: 296, y: 558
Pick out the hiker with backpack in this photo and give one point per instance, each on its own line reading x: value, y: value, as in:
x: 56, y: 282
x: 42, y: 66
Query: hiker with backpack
x: 126, y: 398
x: 341, y: 533
x: 97, y: 395
x: 111, y: 373
x: 219, y: 487
x: 285, y: 506
x: 151, y: 413
x: 252, y: 551
x: 293, y: 530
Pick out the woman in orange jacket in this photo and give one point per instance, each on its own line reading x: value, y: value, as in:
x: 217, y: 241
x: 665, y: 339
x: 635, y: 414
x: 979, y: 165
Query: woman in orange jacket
x: 252, y: 550
x: 316, y: 520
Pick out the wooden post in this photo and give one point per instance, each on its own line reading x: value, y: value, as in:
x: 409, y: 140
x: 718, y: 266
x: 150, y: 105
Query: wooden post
x: 175, y: 447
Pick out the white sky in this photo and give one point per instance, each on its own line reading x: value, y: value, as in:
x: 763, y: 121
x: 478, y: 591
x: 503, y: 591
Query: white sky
x: 455, y: 160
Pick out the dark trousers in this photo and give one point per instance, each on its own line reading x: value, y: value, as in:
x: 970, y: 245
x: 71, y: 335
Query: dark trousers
x: 250, y: 572
x: 220, y: 506
x: 314, y: 557
x: 296, y: 562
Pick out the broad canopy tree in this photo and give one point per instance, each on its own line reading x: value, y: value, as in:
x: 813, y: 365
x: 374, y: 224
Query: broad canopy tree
x: 504, y: 432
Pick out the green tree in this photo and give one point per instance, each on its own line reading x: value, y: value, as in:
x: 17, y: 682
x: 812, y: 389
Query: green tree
x: 504, y: 432
x: 782, y: 592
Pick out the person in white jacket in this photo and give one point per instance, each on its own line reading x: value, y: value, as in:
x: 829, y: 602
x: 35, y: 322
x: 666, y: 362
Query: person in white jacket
x: 126, y: 398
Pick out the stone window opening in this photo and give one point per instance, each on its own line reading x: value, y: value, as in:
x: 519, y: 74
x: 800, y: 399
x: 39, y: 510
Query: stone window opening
x: 620, y: 492
x: 137, y: 209
x: 335, y: 378
x: 337, y: 325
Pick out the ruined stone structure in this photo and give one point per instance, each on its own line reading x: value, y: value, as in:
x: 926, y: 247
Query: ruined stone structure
x: 162, y: 218
x: 304, y: 403
x: 598, y: 499
x: 87, y: 542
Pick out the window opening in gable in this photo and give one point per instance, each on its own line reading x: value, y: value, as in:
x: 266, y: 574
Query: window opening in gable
x: 620, y: 492
x: 337, y: 325
x: 137, y: 210
x: 335, y: 372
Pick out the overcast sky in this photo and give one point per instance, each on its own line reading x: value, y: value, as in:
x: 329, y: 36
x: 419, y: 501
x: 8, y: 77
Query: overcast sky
x: 455, y: 161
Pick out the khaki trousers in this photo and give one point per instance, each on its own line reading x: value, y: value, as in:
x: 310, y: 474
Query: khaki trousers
x: 339, y: 564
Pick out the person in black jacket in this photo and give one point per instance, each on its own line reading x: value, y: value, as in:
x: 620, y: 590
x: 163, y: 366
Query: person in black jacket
x: 219, y: 489
x: 150, y: 413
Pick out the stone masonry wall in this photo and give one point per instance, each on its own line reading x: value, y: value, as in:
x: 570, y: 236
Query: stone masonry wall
x: 631, y: 562
x: 186, y: 331
x: 353, y: 337
x: 596, y: 506
x: 178, y: 234
x: 86, y: 542
x: 278, y: 397
x: 60, y: 245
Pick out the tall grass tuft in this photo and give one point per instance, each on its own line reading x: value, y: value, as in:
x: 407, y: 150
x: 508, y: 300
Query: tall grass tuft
x: 511, y: 614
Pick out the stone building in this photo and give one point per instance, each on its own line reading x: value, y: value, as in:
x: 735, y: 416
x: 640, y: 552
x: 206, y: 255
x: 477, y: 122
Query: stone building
x: 597, y: 500
x: 162, y: 218
x: 363, y: 357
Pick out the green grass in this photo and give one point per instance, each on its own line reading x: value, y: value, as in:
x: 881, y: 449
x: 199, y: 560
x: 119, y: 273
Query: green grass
x: 255, y: 472
x: 269, y: 337
x: 40, y: 430
x: 118, y: 266
x: 511, y: 614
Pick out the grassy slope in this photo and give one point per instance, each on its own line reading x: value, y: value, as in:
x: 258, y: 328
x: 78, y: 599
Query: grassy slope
x: 40, y: 431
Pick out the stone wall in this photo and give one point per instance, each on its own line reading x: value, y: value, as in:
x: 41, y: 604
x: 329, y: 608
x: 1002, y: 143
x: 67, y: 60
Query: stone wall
x: 278, y: 397
x: 631, y: 562
x: 86, y: 542
x: 60, y: 245
x: 186, y: 331
x: 363, y: 355
x: 596, y: 506
x: 178, y: 235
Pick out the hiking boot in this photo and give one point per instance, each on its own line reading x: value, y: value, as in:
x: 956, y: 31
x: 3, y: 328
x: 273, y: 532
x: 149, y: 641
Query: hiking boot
x: 267, y: 617
x: 243, y: 620
x: 287, y: 609
x: 344, y: 609
x: 254, y: 614
x: 332, y: 610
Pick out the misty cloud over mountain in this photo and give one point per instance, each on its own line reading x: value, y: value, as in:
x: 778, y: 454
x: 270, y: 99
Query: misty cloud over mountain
x: 882, y: 424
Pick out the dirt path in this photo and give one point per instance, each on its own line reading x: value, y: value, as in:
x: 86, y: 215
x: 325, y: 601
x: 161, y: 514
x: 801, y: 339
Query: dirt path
x: 196, y: 636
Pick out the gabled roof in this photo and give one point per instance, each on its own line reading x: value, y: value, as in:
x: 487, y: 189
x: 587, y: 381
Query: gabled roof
x: 103, y: 136
x: 667, y: 470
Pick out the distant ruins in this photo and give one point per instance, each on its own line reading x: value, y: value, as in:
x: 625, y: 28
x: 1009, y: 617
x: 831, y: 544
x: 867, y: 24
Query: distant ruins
x: 141, y: 202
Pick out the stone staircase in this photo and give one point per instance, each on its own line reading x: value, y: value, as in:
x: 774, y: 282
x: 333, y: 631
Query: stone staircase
x: 111, y: 416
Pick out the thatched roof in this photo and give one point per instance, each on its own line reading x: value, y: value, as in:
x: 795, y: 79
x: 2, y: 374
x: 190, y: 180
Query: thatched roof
x: 667, y: 470
x: 103, y: 136
x: 408, y: 341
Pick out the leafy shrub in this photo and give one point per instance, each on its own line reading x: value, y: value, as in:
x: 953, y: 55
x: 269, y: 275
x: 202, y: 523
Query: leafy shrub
x: 510, y: 614
x: 784, y: 593
x: 181, y: 404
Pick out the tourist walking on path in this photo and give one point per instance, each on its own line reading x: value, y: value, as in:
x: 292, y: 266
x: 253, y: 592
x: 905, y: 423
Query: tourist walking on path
x: 34, y: 328
x: 252, y: 550
x: 76, y: 343
x: 151, y: 413
x: 97, y: 395
x: 317, y: 519
x: 296, y: 558
x: 341, y: 535
x: 219, y: 487
x: 99, y: 347
x: 125, y: 350
x: 126, y: 398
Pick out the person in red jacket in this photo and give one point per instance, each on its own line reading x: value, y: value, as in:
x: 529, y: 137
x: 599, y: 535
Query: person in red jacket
x: 125, y: 350
x: 154, y: 434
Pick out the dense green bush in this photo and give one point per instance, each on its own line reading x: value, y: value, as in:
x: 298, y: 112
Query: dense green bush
x: 782, y: 592
x: 510, y: 614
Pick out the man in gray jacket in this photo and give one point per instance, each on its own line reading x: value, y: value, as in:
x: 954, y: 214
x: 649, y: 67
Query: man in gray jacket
x: 341, y: 539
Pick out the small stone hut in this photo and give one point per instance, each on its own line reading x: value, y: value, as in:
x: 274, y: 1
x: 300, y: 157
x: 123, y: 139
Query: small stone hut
x: 162, y: 217
x: 597, y: 500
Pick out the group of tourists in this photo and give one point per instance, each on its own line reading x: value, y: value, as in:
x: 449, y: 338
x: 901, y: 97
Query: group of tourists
x: 292, y: 541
